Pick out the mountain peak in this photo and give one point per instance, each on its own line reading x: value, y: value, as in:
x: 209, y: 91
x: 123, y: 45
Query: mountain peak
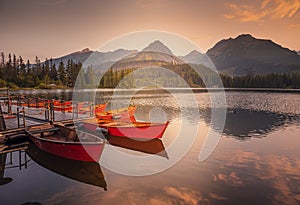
x: 246, y: 54
x: 85, y: 50
x: 159, y: 47
x: 245, y: 36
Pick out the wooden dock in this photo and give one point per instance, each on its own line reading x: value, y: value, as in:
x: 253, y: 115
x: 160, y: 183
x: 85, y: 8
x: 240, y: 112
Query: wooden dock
x: 14, y: 119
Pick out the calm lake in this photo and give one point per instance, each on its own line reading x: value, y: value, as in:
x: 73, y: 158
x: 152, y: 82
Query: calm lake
x: 256, y: 161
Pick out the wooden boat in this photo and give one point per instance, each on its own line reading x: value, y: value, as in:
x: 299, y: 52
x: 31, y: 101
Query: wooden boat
x: 100, y: 108
x: 58, y: 103
x: 97, y: 108
x: 121, y: 114
x: 85, y: 172
x: 68, y: 108
x: 64, y: 142
x: 139, y: 130
x: 33, y: 104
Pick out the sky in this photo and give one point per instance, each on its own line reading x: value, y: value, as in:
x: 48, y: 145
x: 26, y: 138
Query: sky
x: 53, y: 28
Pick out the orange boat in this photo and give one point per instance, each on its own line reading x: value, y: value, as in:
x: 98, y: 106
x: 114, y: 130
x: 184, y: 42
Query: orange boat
x: 83, y: 108
x: 122, y: 114
x: 100, y: 108
x: 33, y: 104
x: 58, y: 103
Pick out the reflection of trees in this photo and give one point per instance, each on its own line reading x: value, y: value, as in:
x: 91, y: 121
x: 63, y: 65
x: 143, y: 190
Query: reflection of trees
x: 248, y: 123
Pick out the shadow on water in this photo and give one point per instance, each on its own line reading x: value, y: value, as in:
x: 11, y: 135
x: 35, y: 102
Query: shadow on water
x: 3, y: 180
x: 244, y: 123
x: 86, y: 172
x: 153, y: 146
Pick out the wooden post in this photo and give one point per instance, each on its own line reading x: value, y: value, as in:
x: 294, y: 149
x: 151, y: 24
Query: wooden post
x: 18, y: 117
x: 24, y: 121
x: 2, y: 121
x: 8, y: 102
x: 91, y: 109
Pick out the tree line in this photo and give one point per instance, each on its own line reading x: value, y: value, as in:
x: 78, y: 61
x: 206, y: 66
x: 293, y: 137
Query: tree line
x: 15, y: 72
x: 272, y: 80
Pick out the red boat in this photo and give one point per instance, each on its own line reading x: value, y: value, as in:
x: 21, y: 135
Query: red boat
x: 63, y: 108
x: 122, y: 114
x: 65, y: 142
x: 138, y: 130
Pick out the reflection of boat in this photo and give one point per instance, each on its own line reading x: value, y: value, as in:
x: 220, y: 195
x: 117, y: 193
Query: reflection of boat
x: 123, y: 113
x: 65, y: 142
x: 142, y: 130
x: 86, y: 172
x: 153, y: 146
x: 3, y: 180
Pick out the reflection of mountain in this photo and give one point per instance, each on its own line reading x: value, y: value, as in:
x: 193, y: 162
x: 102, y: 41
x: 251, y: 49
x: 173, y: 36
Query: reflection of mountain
x: 153, y: 146
x: 246, y: 123
x: 86, y: 172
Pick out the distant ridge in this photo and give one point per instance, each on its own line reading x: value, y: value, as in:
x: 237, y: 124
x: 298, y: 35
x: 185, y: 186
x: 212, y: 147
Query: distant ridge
x: 242, y: 55
x: 246, y: 54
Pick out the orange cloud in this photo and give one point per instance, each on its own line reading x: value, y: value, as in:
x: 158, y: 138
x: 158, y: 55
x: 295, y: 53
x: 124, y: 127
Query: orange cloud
x: 294, y: 25
x: 267, y: 9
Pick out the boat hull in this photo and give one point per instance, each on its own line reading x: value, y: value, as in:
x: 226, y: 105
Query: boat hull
x: 65, y: 142
x: 81, y: 152
x: 149, y: 131
x: 125, y: 114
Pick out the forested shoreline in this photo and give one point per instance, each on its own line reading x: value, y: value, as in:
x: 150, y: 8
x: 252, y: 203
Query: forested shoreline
x: 16, y: 73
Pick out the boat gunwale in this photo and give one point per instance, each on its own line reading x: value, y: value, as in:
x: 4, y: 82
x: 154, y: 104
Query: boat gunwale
x: 67, y: 142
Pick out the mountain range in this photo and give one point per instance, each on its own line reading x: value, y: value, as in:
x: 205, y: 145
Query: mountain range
x: 242, y: 55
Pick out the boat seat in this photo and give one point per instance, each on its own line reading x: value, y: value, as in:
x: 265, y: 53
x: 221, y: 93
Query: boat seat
x: 45, y: 130
x: 72, y: 136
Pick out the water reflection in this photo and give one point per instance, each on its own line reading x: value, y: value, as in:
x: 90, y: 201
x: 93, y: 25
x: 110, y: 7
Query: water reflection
x: 244, y: 123
x: 86, y: 172
x: 3, y: 180
x: 153, y: 146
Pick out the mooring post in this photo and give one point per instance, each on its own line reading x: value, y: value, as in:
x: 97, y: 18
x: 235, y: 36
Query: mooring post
x: 8, y: 102
x: 77, y: 110
x: 19, y: 101
x: 24, y: 121
x: 18, y: 117
x: 91, y: 109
